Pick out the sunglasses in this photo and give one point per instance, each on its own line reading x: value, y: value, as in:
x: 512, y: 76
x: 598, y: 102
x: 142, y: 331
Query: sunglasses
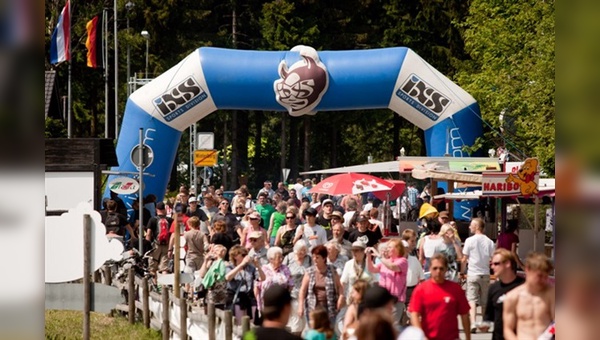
x: 289, y: 217
x: 335, y: 218
x: 253, y: 239
x: 254, y: 219
x: 239, y: 207
x: 496, y: 263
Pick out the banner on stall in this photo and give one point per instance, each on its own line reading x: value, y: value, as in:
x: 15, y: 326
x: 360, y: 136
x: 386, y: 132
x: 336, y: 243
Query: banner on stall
x: 516, y: 182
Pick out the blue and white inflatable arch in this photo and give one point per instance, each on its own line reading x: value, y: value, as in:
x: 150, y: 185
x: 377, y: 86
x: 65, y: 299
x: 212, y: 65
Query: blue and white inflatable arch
x: 301, y: 81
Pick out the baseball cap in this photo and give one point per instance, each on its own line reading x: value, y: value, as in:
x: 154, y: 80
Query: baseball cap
x: 254, y: 214
x: 255, y: 234
x: 310, y: 211
x: 377, y: 297
x: 192, y: 199
x: 160, y: 206
x: 275, y: 297
x: 338, y: 214
x: 361, y: 219
x: 444, y: 214
x: 327, y: 201
x: 359, y: 244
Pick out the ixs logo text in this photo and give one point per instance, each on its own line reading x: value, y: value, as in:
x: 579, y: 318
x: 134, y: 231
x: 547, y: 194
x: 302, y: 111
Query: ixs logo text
x: 179, y: 99
x: 423, y: 97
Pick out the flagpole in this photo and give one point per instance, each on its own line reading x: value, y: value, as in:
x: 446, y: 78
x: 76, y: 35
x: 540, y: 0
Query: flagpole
x: 105, y: 66
x: 116, y: 73
x: 69, y: 130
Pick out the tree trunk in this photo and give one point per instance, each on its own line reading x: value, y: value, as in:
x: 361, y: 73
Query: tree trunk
x: 293, y: 147
x: 234, y: 151
x: 306, y: 143
x: 225, y: 143
x: 242, y: 146
x: 396, y: 122
x: 258, y: 166
x: 283, y: 143
x: 333, y: 148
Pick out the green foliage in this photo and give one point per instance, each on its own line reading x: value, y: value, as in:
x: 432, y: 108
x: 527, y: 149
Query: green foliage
x: 55, y: 128
x: 511, y: 70
x: 502, y: 52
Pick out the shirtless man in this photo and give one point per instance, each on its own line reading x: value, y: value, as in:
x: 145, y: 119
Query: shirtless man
x: 529, y: 309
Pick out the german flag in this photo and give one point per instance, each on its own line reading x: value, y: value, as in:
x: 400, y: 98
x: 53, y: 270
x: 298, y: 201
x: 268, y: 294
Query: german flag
x: 94, y: 42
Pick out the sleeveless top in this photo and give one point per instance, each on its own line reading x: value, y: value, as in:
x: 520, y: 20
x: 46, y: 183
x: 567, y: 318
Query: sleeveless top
x: 287, y: 241
x: 278, y: 220
x: 330, y: 291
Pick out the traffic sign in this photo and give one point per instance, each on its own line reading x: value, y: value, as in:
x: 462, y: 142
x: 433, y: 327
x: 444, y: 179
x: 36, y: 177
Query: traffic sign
x: 206, y: 173
x: 206, y: 140
x: 148, y: 156
x: 205, y: 157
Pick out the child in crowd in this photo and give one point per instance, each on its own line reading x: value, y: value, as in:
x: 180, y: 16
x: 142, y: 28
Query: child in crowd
x: 321, y: 326
x: 351, y: 318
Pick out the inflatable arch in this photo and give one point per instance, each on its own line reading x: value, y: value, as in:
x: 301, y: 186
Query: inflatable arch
x: 301, y: 81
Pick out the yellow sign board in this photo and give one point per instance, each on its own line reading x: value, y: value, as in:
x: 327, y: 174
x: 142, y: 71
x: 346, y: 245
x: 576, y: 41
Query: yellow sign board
x: 205, y: 157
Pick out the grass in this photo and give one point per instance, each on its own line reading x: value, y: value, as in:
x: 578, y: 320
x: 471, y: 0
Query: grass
x: 63, y: 324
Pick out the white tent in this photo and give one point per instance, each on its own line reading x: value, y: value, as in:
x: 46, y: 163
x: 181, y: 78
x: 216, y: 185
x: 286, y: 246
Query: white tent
x: 408, y: 163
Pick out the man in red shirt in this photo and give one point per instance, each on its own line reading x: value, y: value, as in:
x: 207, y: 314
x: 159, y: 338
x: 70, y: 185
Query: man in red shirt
x: 437, y: 302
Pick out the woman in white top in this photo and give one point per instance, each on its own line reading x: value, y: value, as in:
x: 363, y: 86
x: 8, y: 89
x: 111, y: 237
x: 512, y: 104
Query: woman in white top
x: 429, y: 243
x: 356, y: 268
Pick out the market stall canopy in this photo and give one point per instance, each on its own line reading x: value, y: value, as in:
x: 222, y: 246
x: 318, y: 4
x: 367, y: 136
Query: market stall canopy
x: 406, y: 164
x: 362, y: 168
x: 441, y: 175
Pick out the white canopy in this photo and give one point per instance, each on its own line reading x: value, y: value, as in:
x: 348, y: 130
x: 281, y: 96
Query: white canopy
x: 406, y: 164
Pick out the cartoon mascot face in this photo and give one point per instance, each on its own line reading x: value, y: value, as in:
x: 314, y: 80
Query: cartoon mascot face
x: 301, y: 87
x: 525, y: 177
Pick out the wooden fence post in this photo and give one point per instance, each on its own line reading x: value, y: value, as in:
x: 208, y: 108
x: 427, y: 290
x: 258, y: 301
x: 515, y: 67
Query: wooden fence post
x: 145, y: 303
x: 212, y: 322
x: 183, y: 318
x: 228, y: 325
x: 87, y: 260
x: 131, y: 294
x: 165, y: 313
x: 107, y: 275
x: 245, y: 324
x: 97, y: 276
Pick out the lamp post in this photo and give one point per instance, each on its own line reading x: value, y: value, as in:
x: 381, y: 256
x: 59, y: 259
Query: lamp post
x: 128, y: 6
x: 146, y: 36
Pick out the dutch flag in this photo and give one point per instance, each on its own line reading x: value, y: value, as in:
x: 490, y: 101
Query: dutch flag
x: 61, y: 37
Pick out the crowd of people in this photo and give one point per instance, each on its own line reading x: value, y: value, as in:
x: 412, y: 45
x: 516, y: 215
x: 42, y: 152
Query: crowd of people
x: 318, y: 267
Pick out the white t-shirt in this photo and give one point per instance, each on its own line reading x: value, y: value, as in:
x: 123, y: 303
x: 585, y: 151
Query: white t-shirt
x: 298, y: 188
x: 480, y: 249
x: 349, y: 276
x: 415, y: 272
x: 430, y: 244
x: 347, y: 217
x: 308, y: 232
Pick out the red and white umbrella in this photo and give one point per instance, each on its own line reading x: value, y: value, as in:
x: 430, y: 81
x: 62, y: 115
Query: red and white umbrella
x: 351, y: 183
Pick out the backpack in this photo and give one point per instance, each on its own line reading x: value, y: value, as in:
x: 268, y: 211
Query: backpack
x: 113, y: 223
x: 163, y: 231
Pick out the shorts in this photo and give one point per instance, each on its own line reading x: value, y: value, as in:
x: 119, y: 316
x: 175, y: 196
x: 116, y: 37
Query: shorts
x: 192, y: 265
x: 477, y: 288
x: 160, y: 258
